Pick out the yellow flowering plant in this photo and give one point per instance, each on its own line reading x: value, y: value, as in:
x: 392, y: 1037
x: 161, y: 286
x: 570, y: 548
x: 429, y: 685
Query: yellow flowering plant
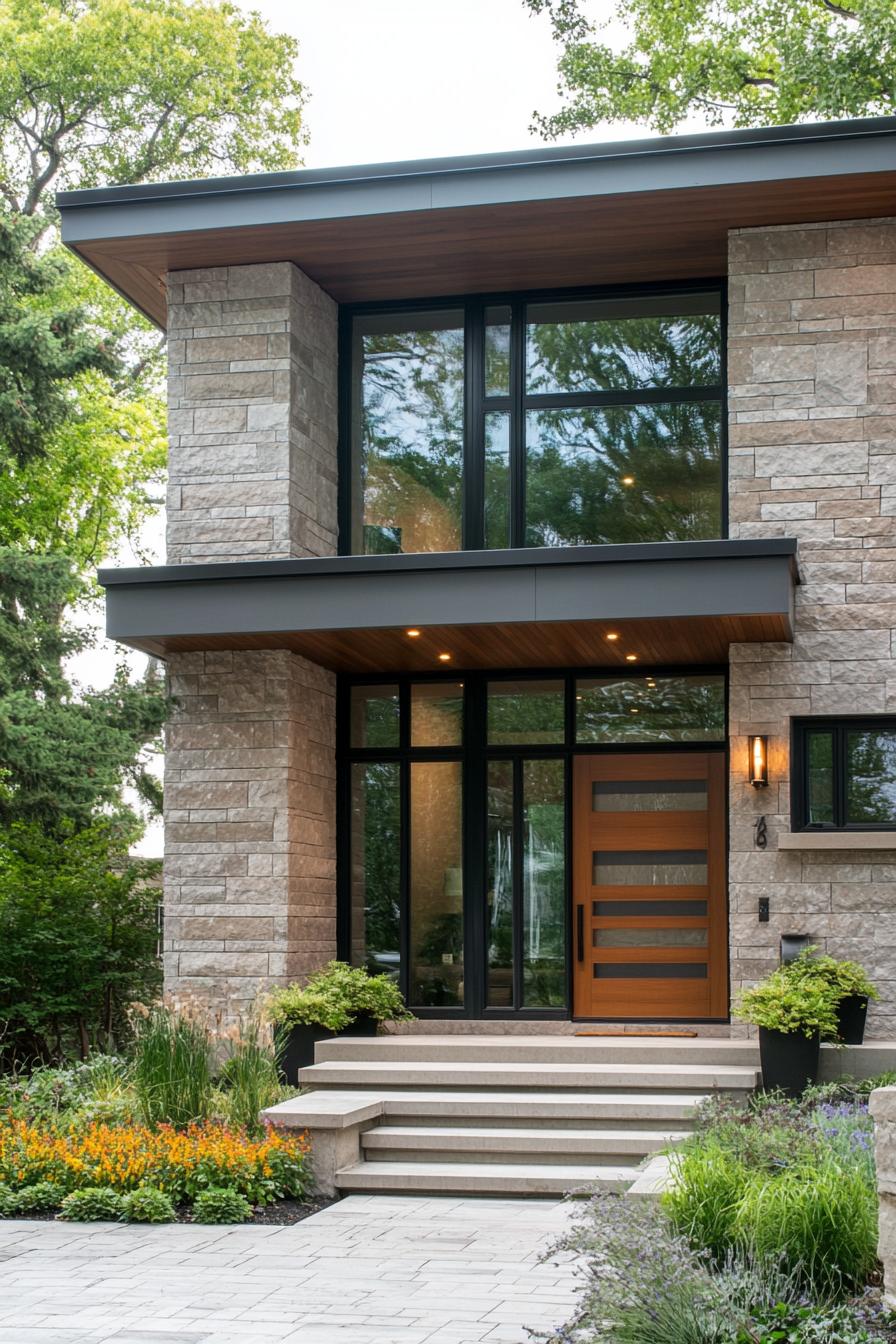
x: 182, y: 1163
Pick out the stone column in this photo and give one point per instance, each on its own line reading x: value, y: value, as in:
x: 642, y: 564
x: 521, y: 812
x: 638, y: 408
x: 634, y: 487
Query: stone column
x: 252, y: 415
x: 812, y: 405
x: 250, y: 842
x: 883, y: 1108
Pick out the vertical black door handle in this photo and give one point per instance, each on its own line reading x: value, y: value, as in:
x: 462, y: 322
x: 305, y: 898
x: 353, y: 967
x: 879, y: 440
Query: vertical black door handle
x: 580, y: 933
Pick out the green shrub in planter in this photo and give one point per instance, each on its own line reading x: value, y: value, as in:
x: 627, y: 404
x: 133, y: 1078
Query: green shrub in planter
x: 93, y: 1204
x: 335, y: 997
x: 340, y: 998
x: 850, y: 984
x: 790, y: 1004
x: 220, y: 1204
x: 793, y: 1012
x: 148, y: 1205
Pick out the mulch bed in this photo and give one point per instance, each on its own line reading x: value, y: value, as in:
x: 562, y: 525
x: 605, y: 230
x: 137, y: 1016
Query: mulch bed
x: 281, y: 1214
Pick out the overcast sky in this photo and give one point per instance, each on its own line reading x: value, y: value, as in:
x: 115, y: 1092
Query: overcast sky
x: 401, y: 79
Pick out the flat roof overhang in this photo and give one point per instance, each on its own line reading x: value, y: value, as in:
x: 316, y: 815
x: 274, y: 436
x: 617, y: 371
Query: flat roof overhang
x: 629, y: 211
x: 671, y: 603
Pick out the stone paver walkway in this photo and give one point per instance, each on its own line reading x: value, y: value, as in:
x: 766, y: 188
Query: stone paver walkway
x: 368, y: 1270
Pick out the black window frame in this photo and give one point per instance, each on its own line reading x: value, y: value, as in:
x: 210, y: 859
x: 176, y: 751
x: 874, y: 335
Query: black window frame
x: 838, y: 726
x: 519, y: 403
x: 475, y: 753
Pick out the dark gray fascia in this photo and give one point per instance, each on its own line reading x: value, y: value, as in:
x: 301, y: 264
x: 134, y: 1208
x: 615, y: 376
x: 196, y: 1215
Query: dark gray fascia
x: 663, y: 163
x: 712, y: 579
x: 488, y: 560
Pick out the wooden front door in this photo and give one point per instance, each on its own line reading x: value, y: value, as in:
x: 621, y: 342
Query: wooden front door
x: 650, y: 926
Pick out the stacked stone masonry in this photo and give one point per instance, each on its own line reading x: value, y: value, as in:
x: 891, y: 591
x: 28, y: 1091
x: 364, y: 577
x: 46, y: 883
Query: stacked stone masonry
x: 252, y: 415
x: 250, y: 787
x: 812, y: 454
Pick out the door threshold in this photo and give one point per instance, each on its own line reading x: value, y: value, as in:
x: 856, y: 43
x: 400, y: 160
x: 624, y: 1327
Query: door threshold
x: 636, y: 1033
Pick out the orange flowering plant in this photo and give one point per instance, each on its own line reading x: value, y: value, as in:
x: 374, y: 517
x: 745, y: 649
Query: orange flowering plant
x: 183, y: 1163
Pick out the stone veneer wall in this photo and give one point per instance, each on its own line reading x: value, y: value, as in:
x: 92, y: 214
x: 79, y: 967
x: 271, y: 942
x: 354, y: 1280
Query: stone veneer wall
x: 812, y: 376
x: 251, y: 415
x: 250, y: 776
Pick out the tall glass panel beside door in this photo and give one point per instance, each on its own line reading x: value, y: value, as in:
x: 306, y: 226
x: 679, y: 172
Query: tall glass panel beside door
x: 436, y: 886
x: 650, y: 934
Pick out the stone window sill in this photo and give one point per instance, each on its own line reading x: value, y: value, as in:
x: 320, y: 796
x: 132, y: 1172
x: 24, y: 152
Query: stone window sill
x: 837, y: 840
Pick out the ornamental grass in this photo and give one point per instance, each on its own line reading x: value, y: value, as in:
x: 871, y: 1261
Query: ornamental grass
x: 182, y: 1163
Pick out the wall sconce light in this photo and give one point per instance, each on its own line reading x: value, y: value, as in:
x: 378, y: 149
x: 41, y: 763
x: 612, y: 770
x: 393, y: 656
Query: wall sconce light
x: 758, y: 743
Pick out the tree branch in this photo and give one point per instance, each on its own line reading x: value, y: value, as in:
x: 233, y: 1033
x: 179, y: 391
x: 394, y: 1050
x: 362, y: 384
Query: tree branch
x: 841, y: 10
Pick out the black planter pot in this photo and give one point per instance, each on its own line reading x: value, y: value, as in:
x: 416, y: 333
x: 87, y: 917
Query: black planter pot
x: 851, y: 1014
x: 298, y: 1051
x: 789, y: 1060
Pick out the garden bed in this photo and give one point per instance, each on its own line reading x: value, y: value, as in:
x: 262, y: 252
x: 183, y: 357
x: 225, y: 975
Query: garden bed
x: 767, y: 1234
x: 282, y: 1214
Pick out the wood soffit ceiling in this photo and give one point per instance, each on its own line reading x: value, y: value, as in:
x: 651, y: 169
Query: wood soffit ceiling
x: 680, y: 640
x: 631, y: 237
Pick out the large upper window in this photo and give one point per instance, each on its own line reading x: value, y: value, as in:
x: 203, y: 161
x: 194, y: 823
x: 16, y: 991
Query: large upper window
x: 566, y: 422
x: 844, y: 774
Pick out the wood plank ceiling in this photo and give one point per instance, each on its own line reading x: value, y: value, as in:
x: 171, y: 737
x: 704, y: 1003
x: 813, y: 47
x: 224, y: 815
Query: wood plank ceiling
x: 631, y: 237
x: 678, y: 640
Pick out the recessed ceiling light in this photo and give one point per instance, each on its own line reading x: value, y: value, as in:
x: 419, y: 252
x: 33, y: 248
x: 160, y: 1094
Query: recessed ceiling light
x: 631, y: 657
x: 412, y: 633
x: 635, y: 711
x: 612, y: 636
x: 628, y: 480
x: 444, y: 657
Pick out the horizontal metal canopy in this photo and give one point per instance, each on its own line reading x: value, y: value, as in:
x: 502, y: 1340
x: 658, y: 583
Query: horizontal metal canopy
x: 631, y: 210
x: 681, y: 602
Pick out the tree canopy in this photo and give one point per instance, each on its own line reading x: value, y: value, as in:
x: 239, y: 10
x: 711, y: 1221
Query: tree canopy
x: 738, y: 62
x: 96, y: 92
x: 108, y: 91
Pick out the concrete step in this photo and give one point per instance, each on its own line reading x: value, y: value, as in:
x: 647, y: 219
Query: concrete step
x: 490, y: 1049
x: 618, y: 1108
x: 489, y: 1178
x: 592, y: 1077
x: 472, y: 1143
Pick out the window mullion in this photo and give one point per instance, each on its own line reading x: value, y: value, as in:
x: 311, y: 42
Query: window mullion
x: 473, y: 520
x: 840, y: 781
x: 517, y: 425
x: 517, y: 882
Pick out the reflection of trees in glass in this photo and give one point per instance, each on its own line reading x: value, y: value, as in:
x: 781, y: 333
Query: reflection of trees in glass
x: 500, y: 884
x: 579, y: 460
x: 376, y: 822
x: 412, y: 439
x: 656, y: 709
x: 374, y: 716
x: 871, y: 777
x: 623, y: 474
x: 619, y: 353
x: 544, y: 885
x: 412, y: 432
x: 821, y: 778
x: 525, y: 712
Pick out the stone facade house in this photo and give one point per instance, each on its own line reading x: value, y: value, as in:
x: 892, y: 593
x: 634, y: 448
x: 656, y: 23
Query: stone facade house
x: 531, y: 581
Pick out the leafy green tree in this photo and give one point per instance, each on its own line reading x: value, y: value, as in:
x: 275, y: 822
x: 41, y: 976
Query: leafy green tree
x: 82, y: 439
x: 740, y: 62
x: 43, y: 344
x: 113, y: 91
x: 63, y: 756
x: 77, y: 939
x: 99, y: 91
